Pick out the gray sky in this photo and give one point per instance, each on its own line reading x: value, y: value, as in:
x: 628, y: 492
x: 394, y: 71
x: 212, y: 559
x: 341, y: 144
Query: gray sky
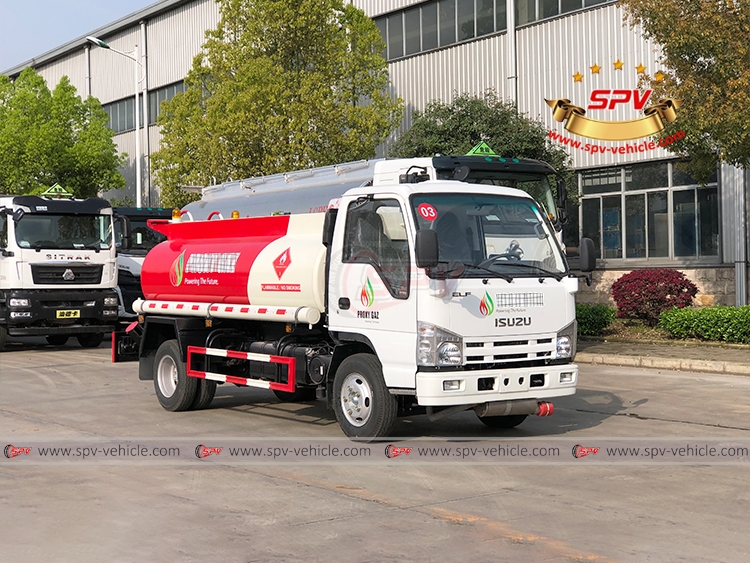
x: 29, y: 28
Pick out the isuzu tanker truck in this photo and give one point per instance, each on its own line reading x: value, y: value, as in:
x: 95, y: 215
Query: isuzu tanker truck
x: 412, y: 295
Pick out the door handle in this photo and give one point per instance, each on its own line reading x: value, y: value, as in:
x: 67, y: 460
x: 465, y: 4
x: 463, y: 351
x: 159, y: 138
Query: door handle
x: 344, y: 303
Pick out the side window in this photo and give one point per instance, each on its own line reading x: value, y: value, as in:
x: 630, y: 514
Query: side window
x: 376, y: 234
x: 3, y: 231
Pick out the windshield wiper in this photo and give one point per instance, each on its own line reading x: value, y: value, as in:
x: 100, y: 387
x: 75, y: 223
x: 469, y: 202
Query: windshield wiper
x: 95, y: 247
x: 38, y: 245
x: 556, y: 275
x: 505, y: 277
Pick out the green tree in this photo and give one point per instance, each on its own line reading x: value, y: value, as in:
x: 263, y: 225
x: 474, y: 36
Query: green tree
x: 278, y: 86
x: 49, y: 137
x: 453, y: 129
x: 705, y: 49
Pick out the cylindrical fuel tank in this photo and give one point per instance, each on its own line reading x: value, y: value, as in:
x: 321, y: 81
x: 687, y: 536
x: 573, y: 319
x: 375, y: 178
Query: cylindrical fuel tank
x: 259, y: 261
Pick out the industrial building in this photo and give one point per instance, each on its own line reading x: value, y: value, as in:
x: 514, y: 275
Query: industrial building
x: 640, y: 209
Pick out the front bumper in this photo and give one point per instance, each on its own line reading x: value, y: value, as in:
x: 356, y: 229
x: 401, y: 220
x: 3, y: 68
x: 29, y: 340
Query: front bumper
x: 41, y: 315
x: 484, y: 386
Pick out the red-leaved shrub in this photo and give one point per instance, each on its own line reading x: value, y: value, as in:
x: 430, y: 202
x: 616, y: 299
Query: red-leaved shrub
x: 644, y: 294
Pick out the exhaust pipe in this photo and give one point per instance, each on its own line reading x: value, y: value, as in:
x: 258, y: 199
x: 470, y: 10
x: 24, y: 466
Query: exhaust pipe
x: 519, y: 407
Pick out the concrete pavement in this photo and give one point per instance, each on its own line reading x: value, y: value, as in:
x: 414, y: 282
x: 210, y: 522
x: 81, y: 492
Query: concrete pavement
x: 682, y: 356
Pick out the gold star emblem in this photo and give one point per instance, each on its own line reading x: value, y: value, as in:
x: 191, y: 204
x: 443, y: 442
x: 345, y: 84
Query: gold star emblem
x: 578, y: 77
x: 618, y: 64
x: 595, y: 69
x: 659, y: 76
x: 641, y: 69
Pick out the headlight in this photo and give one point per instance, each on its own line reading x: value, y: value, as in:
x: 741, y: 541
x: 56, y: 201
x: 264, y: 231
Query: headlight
x: 20, y: 315
x: 437, y: 346
x: 110, y: 301
x: 19, y: 302
x: 566, y: 341
x: 449, y: 354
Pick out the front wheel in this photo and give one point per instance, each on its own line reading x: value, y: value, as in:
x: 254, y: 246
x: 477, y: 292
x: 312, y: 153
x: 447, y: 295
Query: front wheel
x: 91, y: 340
x: 363, y: 405
x: 174, y: 389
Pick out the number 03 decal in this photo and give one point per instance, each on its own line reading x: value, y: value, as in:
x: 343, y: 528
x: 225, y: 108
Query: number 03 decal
x: 426, y: 211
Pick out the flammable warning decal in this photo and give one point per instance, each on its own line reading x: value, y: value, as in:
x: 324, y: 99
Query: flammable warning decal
x: 282, y: 262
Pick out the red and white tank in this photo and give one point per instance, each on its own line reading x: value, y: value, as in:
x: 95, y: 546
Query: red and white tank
x: 270, y: 264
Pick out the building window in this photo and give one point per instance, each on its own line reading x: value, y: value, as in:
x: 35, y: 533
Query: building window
x: 438, y: 24
x: 121, y: 115
x: 157, y: 96
x: 649, y: 211
x: 528, y: 11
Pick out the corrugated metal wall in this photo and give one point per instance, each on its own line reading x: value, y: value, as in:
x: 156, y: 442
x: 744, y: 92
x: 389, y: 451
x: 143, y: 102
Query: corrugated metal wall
x: 73, y: 66
x: 471, y: 67
x: 175, y: 38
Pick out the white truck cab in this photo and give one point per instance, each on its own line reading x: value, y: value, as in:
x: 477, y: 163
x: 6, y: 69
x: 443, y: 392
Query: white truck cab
x: 57, y: 269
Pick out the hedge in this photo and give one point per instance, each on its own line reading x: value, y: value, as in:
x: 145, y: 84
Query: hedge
x: 593, y: 319
x: 722, y: 324
x: 644, y: 294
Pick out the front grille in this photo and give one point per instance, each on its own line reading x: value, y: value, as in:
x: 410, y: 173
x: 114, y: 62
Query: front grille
x: 493, y: 350
x: 82, y: 274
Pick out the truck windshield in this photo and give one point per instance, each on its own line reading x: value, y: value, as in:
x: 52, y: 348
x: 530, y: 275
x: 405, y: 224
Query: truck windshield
x: 36, y: 230
x: 143, y: 237
x: 536, y: 185
x: 484, y: 235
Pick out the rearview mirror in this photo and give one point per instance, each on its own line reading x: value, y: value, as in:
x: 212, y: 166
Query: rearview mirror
x: 587, y: 253
x: 18, y: 215
x: 426, y: 249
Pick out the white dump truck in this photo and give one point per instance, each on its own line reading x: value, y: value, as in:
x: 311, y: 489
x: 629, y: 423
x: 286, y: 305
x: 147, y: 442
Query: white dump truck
x: 413, y: 295
x: 58, y: 269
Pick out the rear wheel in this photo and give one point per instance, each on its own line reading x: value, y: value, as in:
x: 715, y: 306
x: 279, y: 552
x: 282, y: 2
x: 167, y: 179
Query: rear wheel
x: 91, y: 340
x: 363, y: 405
x: 204, y: 394
x: 3, y: 336
x: 57, y: 339
x: 503, y: 421
x: 174, y: 389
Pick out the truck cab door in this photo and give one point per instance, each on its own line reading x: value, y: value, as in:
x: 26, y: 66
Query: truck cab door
x: 6, y: 255
x: 372, y: 296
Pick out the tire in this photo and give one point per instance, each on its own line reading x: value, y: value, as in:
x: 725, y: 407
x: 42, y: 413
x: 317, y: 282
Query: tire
x: 57, y: 339
x: 91, y: 340
x: 203, y: 395
x: 363, y: 405
x: 174, y: 389
x: 503, y: 421
x: 299, y: 395
x: 3, y: 337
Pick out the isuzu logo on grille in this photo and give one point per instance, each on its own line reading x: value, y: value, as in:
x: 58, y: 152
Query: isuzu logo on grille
x: 68, y: 275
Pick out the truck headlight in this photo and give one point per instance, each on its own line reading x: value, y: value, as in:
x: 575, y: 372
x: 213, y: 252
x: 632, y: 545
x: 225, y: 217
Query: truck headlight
x: 566, y: 341
x: 19, y: 302
x: 437, y: 346
x: 110, y: 301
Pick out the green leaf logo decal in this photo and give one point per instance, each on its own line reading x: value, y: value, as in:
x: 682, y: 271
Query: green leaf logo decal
x: 368, y: 295
x: 486, y: 306
x: 177, y: 270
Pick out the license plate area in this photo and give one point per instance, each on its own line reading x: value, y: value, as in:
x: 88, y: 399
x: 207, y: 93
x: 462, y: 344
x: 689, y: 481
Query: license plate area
x: 68, y: 314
